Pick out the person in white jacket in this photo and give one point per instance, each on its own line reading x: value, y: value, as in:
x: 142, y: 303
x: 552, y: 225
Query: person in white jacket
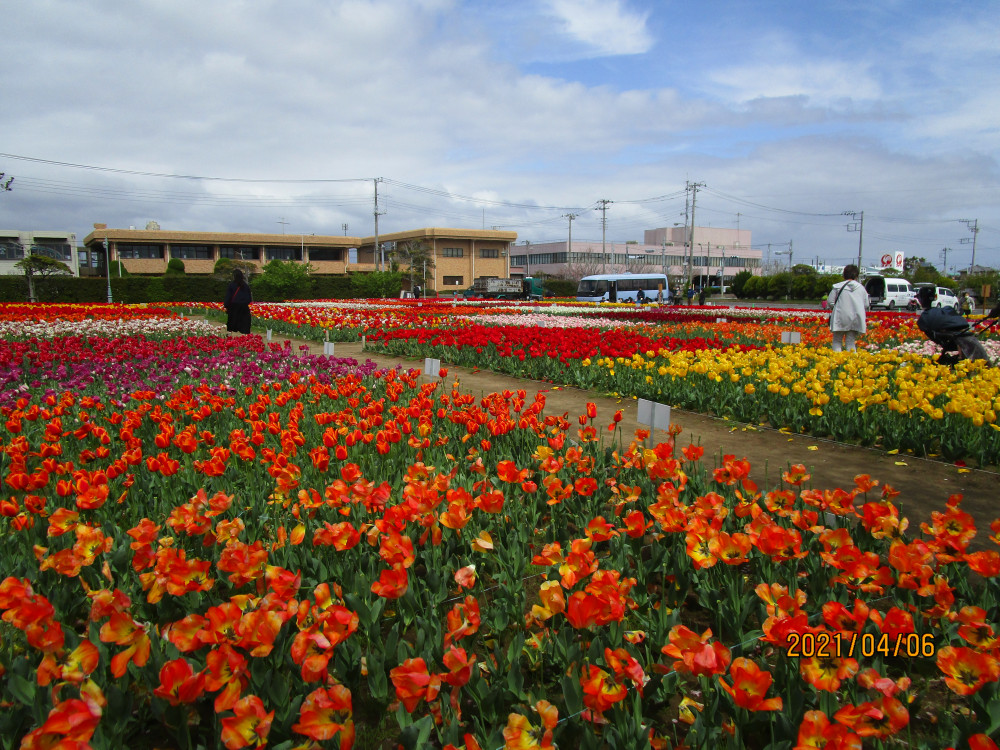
x: 848, y: 303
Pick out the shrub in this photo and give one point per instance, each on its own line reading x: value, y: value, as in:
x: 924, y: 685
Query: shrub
x: 331, y: 287
x: 282, y: 280
x: 778, y: 286
x: 739, y: 282
x: 377, y: 284
x: 560, y: 287
x: 175, y: 266
x: 755, y: 287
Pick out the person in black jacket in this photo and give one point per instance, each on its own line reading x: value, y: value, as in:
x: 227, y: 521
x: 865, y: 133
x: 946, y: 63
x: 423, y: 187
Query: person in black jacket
x: 237, y: 304
x: 946, y: 327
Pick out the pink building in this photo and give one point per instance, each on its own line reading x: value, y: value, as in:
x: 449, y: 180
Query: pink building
x: 719, y: 254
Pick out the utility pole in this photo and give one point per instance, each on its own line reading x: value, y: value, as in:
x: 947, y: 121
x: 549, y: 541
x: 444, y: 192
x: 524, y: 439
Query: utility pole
x: 944, y: 261
x: 693, y: 187
x: 379, y: 256
x: 859, y: 227
x: 283, y: 223
x: 604, y: 230
x: 973, y: 225
x: 344, y: 227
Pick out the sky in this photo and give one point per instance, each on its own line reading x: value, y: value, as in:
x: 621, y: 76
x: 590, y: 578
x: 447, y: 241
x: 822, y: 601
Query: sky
x: 284, y: 116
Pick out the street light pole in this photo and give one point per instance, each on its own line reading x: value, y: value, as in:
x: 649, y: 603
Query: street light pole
x: 107, y: 253
x: 722, y: 271
x: 569, y: 239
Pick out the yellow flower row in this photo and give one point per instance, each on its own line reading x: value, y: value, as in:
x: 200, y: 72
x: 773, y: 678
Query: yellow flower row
x: 903, y: 382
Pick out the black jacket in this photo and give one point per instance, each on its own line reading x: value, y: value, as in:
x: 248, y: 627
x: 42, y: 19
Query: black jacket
x: 238, y: 294
x: 942, y: 324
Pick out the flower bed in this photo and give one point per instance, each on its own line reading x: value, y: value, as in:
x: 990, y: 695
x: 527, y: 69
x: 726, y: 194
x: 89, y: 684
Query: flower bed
x: 884, y: 397
x: 298, y: 561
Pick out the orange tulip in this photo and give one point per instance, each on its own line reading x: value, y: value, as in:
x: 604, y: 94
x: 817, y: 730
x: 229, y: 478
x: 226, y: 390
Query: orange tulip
x: 694, y: 654
x: 122, y: 630
x: 226, y: 671
x: 750, y: 683
x: 880, y: 718
x: 466, y: 577
x: 392, y: 583
x: 600, y: 691
x: 816, y: 731
x: 966, y: 670
x: 827, y: 672
x: 414, y: 683
x: 179, y: 683
x: 459, y: 665
x: 250, y: 725
x: 463, y: 619
x: 325, y: 712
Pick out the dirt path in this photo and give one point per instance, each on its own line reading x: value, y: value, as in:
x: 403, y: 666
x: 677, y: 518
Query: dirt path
x: 924, y: 485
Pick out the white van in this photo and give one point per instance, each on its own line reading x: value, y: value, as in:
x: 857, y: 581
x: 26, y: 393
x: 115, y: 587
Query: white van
x: 943, y: 297
x: 888, y: 292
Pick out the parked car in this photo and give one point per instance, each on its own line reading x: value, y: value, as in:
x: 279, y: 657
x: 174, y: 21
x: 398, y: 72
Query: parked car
x: 890, y: 293
x: 943, y: 297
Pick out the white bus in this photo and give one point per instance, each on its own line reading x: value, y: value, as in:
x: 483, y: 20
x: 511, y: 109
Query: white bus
x: 623, y: 287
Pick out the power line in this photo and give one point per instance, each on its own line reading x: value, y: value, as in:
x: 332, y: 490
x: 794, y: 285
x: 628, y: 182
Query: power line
x: 485, y: 201
x: 56, y: 187
x: 137, y: 173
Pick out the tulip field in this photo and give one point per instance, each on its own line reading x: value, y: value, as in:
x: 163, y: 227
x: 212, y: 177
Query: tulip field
x: 213, y: 541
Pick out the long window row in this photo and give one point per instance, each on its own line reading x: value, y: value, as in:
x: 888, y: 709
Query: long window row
x: 11, y: 249
x: 206, y: 252
x: 632, y: 259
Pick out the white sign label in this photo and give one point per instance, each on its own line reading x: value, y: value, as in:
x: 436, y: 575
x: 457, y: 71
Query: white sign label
x: 653, y: 415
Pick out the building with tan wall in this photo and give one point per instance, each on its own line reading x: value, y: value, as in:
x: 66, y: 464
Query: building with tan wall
x: 458, y: 255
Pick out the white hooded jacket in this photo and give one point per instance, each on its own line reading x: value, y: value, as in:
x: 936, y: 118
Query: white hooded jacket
x: 848, y: 302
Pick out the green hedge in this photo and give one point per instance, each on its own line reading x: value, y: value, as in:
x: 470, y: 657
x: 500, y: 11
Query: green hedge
x: 560, y: 287
x: 136, y: 289
x: 331, y: 287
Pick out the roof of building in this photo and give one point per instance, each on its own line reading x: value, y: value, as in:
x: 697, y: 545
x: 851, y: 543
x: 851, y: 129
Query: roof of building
x: 162, y: 235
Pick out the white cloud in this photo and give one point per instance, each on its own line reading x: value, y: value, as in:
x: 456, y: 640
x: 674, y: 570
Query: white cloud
x: 822, y: 82
x: 426, y: 92
x: 607, y: 27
